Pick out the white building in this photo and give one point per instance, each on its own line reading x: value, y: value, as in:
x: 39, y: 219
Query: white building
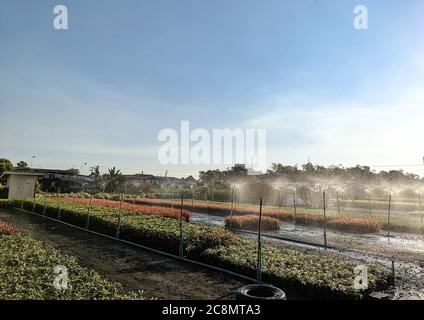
x: 21, y: 185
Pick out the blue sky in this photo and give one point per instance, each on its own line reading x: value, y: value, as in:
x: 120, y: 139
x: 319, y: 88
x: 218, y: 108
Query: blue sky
x: 101, y: 91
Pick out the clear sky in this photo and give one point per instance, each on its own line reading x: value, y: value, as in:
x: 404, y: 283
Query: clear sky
x: 101, y: 91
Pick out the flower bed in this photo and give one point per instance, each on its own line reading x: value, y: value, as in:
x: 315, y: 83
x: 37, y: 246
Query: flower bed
x: 311, y: 273
x: 251, y: 222
x: 143, y: 209
x: 7, y: 229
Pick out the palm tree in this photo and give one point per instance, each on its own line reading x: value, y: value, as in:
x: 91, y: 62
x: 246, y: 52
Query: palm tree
x: 114, y: 180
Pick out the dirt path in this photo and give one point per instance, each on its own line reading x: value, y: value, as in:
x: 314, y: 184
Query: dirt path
x: 136, y: 269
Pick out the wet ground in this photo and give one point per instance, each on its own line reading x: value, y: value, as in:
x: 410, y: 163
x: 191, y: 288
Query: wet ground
x: 406, y: 250
x: 136, y: 269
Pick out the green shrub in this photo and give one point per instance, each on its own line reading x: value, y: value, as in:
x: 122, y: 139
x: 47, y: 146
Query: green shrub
x: 27, y: 272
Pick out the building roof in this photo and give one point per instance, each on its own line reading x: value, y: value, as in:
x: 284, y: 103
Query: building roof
x: 17, y: 173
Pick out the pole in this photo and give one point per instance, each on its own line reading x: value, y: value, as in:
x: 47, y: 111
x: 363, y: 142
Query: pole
x: 369, y: 203
x: 294, y: 205
x: 259, y: 265
x: 421, y: 208
x: 181, y: 228
x: 33, y: 204
x: 232, y: 207
x: 393, y: 272
x: 192, y: 197
x: 279, y: 198
x: 325, y: 221
x: 118, y: 228
x: 338, y: 203
x: 87, y: 221
x: 388, y: 217
x: 58, y: 204
x: 45, y: 204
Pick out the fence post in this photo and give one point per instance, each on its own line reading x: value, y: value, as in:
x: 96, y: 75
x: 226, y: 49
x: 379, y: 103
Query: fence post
x: 45, y: 204
x: 325, y: 221
x: 393, y: 272
x: 369, y: 204
x: 388, y: 217
x: 87, y: 221
x: 33, y: 204
x: 279, y: 198
x: 118, y: 227
x: 294, y: 205
x: 259, y: 264
x: 192, y: 198
x: 338, y: 203
x: 58, y: 204
x: 181, y: 249
x: 232, y: 208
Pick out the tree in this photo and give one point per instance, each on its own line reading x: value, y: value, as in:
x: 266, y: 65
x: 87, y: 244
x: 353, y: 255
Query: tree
x: 238, y: 170
x: 114, y: 180
x: 5, y: 165
x: 97, y: 178
x: 22, y: 164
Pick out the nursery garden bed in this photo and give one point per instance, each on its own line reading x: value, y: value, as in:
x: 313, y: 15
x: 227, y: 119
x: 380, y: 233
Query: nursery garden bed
x: 314, y: 273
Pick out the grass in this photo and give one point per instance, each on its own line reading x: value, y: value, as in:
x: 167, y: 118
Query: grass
x: 27, y: 272
x: 314, y: 274
x: 251, y: 222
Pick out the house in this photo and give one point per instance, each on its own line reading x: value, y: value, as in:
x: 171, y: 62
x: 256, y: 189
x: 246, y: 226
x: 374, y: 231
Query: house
x: 65, y: 181
x: 21, y: 185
